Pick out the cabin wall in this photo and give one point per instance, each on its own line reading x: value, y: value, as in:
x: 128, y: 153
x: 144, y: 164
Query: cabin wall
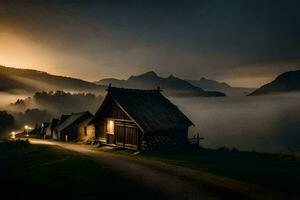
x: 100, y: 134
x: 126, y: 133
x: 112, y: 110
x: 169, y: 140
x: 54, y: 134
x: 71, y: 133
x: 47, y: 133
x: 86, y: 132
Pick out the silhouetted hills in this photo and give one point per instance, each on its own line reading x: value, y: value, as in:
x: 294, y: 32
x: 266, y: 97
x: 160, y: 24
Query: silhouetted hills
x: 286, y: 82
x: 170, y: 85
x: 208, y: 84
x: 58, y: 102
x: 27, y: 81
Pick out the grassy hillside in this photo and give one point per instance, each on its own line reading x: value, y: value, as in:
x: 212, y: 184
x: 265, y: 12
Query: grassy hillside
x: 35, y: 172
x: 28, y: 81
x: 273, y: 171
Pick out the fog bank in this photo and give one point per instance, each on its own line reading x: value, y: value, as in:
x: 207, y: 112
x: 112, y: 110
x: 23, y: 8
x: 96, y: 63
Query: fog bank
x: 7, y: 98
x: 262, y: 123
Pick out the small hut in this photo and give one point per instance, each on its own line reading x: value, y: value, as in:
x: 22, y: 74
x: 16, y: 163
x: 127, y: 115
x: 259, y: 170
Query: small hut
x: 45, y: 130
x: 140, y: 119
x: 74, y: 127
x: 54, y: 123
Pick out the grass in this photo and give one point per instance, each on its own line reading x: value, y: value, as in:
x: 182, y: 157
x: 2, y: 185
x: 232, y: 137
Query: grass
x: 33, y: 171
x: 273, y: 171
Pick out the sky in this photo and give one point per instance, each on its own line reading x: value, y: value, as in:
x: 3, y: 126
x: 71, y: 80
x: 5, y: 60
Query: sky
x: 244, y: 43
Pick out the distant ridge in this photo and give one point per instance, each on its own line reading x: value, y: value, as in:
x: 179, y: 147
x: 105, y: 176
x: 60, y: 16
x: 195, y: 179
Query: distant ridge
x: 171, y: 85
x: 28, y: 81
x: 286, y: 82
x: 208, y: 84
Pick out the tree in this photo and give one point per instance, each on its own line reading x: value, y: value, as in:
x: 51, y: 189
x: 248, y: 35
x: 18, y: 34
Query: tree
x: 7, y: 122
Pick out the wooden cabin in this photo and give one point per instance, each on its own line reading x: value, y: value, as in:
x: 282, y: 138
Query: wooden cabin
x: 86, y: 131
x: 140, y: 119
x: 74, y: 127
x: 53, y: 133
x: 45, y: 131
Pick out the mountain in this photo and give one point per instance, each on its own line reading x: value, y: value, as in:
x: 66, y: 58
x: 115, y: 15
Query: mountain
x: 208, y: 84
x: 171, y: 85
x: 27, y: 81
x: 286, y: 82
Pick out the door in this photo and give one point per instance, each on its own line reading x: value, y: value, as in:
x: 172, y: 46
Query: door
x: 131, y: 137
x: 120, y: 135
x: 126, y: 136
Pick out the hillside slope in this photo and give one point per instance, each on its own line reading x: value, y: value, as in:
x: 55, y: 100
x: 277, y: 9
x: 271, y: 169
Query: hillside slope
x: 208, y: 84
x: 27, y: 81
x: 286, y: 82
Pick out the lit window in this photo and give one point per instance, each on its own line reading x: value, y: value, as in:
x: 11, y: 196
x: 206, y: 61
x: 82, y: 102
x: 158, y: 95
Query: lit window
x: 110, y: 126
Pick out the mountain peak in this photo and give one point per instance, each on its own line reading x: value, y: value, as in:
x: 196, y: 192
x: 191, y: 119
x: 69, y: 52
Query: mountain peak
x: 172, y: 84
x: 148, y: 75
x: 172, y: 77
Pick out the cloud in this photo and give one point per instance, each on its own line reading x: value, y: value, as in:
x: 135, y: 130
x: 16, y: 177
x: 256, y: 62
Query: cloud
x: 251, y: 40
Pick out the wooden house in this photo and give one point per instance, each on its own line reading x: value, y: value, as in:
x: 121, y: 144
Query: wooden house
x: 54, y: 123
x: 45, y: 131
x: 140, y: 119
x: 74, y: 127
x: 86, y: 131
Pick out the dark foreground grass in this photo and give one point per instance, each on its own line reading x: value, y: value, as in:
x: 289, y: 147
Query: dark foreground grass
x: 273, y: 171
x: 43, y: 172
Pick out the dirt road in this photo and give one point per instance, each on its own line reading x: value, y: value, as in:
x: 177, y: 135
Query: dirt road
x: 174, y: 182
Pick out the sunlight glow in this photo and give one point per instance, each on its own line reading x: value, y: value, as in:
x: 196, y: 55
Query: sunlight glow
x: 250, y: 81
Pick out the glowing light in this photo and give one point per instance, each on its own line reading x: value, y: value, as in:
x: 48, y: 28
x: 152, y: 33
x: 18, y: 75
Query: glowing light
x: 110, y: 127
x: 26, y: 129
x: 13, y: 135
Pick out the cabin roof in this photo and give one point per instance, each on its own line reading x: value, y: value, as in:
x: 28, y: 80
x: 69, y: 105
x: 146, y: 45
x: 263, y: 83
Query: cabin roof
x: 86, y: 121
x: 149, y: 109
x: 72, y: 119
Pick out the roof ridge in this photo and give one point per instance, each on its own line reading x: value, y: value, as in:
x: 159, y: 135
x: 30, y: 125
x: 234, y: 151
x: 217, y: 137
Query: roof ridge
x: 110, y: 88
x: 79, y: 113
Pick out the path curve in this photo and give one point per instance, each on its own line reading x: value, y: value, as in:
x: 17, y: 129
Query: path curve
x: 175, y: 182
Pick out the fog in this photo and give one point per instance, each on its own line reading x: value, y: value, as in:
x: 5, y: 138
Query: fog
x: 43, y: 106
x: 7, y: 98
x: 261, y: 123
